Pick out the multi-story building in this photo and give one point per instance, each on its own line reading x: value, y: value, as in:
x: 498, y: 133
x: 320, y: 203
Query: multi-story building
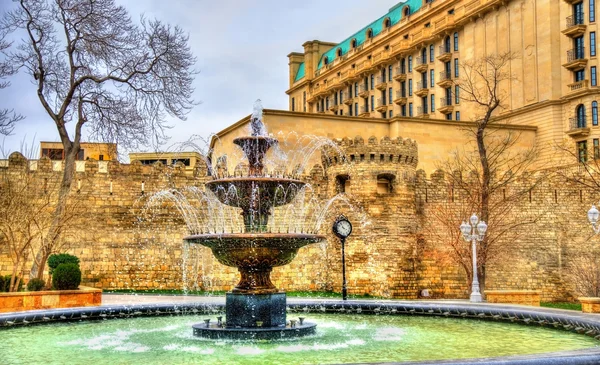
x: 405, y: 64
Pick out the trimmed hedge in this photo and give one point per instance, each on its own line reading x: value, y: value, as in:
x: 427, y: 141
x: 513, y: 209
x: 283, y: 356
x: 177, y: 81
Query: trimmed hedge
x: 36, y: 284
x: 61, y: 258
x: 5, y: 283
x: 66, y: 277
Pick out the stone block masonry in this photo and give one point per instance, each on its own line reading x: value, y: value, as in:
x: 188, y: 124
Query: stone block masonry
x: 391, y: 252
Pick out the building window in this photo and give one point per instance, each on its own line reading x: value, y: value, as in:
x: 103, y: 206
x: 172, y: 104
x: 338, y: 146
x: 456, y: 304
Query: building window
x: 403, y: 66
x: 409, y: 87
x: 384, y: 115
x: 596, y: 148
x: 594, y: 112
x: 410, y: 110
x: 432, y: 103
x: 424, y: 105
x: 390, y: 96
x: 409, y: 63
x: 350, y: 110
x: 326, y: 60
x: 369, y: 33
x: 457, y: 116
x: 456, y: 67
x: 293, y: 104
x: 580, y: 112
x: 383, y: 97
x: 372, y: 102
x: 304, y: 100
x: 342, y: 184
x: 592, y: 11
x: 390, y: 74
x: 579, y: 75
x: 592, y: 44
x: 391, y: 113
x: 353, y: 43
x: 339, y: 52
x: 579, y: 48
x: 387, y: 23
x: 341, y: 96
x: 326, y: 103
x: 449, y: 116
x: 455, y: 41
x: 423, y: 56
x: 403, y: 110
x: 593, y: 76
x: 356, y: 109
x: 100, y: 157
x: 456, y: 94
x: 582, y: 151
x: 431, y: 53
x: 355, y: 88
x: 372, y: 81
x: 447, y: 44
x: 406, y: 11
x: 431, y: 78
x: 385, y: 183
x: 403, y: 89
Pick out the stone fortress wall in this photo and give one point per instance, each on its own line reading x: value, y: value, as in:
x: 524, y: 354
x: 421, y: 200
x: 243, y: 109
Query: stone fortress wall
x: 391, y: 252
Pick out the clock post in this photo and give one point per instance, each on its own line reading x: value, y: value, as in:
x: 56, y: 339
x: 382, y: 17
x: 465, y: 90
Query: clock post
x: 342, y: 228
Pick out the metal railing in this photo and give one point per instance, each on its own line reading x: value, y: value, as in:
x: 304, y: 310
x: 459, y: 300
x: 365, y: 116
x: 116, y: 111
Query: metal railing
x: 398, y: 71
x: 576, y: 54
x: 421, y: 61
x: 380, y: 80
x: 577, y: 122
x: 381, y: 102
x: 575, y: 19
x: 400, y: 94
x: 445, y: 102
x: 364, y: 109
x: 421, y: 86
x: 445, y: 75
x: 444, y: 48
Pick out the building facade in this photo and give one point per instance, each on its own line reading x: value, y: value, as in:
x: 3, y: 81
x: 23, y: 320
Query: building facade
x: 407, y: 62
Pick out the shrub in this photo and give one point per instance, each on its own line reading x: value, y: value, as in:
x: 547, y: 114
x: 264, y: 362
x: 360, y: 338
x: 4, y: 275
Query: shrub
x: 36, y: 284
x: 66, y: 277
x: 61, y: 258
x: 5, y: 283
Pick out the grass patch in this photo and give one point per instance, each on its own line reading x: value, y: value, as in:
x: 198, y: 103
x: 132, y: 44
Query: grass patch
x: 291, y: 294
x: 562, y: 305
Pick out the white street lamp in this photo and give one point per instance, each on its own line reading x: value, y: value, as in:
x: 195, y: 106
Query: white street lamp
x: 593, y: 218
x: 474, y: 232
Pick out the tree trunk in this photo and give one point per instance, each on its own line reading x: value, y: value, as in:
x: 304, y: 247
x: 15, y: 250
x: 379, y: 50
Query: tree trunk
x: 485, y: 197
x: 39, y: 264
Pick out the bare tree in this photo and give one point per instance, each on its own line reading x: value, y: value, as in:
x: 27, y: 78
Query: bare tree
x: 488, y: 178
x: 95, y: 69
x: 8, y: 118
x: 27, y: 200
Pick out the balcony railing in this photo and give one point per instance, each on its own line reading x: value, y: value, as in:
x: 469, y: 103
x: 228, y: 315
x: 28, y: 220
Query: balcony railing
x: 578, y: 85
x: 400, y: 94
x: 399, y: 74
x: 421, y: 64
x: 444, y: 54
x: 577, y: 123
x: 363, y: 90
x: 445, y: 102
x: 576, y: 54
x: 364, y: 110
x: 421, y: 112
x: 381, y: 105
x: 381, y: 83
x: 575, y: 19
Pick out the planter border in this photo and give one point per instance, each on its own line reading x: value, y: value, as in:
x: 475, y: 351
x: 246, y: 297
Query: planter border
x: 48, y: 299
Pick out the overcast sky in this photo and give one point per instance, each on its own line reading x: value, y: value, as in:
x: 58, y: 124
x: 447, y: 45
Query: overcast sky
x: 241, y: 47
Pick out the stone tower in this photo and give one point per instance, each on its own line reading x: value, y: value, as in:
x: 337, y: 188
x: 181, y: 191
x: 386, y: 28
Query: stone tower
x: 378, y: 176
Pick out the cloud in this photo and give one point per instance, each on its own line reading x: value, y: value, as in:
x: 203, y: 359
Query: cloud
x: 241, y: 48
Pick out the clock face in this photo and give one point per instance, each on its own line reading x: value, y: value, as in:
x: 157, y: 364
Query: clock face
x: 343, y: 228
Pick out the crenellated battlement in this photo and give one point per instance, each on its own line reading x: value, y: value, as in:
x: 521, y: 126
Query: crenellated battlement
x: 385, y: 151
x: 17, y: 161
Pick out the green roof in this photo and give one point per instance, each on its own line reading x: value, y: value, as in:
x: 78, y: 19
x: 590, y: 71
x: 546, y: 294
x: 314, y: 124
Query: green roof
x: 300, y: 73
x: 395, y: 15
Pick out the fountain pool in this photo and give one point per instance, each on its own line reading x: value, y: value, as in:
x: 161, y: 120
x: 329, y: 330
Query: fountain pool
x: 348, y: 338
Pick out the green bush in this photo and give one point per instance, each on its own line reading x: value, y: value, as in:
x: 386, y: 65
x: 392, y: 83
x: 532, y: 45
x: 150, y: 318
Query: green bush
x: 61, y: 258
x: 66, y: 277
x: 5, y: 283
x: 36, y: 284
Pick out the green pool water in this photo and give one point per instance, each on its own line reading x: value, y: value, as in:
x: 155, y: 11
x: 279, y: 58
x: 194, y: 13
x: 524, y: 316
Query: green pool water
x: 339, y: 339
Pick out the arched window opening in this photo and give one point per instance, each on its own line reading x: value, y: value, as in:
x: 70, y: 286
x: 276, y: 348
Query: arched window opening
x: 403, y: 65
x: 423, y: 55
x: 385, y: 183
x: 447, y: 44
x: 387, y: 23
x: 369, y: 33
x: 594, y: 113
x: 353, y: 43
x: 339, y: 52
x: 580, y: 110
x: 406, y: 11
x: 326, y: 61
x: 342, y: 184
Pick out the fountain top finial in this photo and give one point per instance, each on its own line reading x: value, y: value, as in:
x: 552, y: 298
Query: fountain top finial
x: 256, y: 125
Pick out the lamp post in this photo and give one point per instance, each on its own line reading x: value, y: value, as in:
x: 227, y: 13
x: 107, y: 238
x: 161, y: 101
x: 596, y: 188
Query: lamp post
x: 474, y: 232
x: 593, y: 218
x: 342, y: 228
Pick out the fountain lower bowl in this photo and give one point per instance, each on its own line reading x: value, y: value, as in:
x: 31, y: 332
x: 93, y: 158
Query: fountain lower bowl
x: 215, y: 332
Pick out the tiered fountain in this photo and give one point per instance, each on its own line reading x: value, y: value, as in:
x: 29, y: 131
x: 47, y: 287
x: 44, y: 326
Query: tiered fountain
x: 255, y: 308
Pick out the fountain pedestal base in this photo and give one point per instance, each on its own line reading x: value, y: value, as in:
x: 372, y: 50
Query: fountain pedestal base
x: 255, y: 310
